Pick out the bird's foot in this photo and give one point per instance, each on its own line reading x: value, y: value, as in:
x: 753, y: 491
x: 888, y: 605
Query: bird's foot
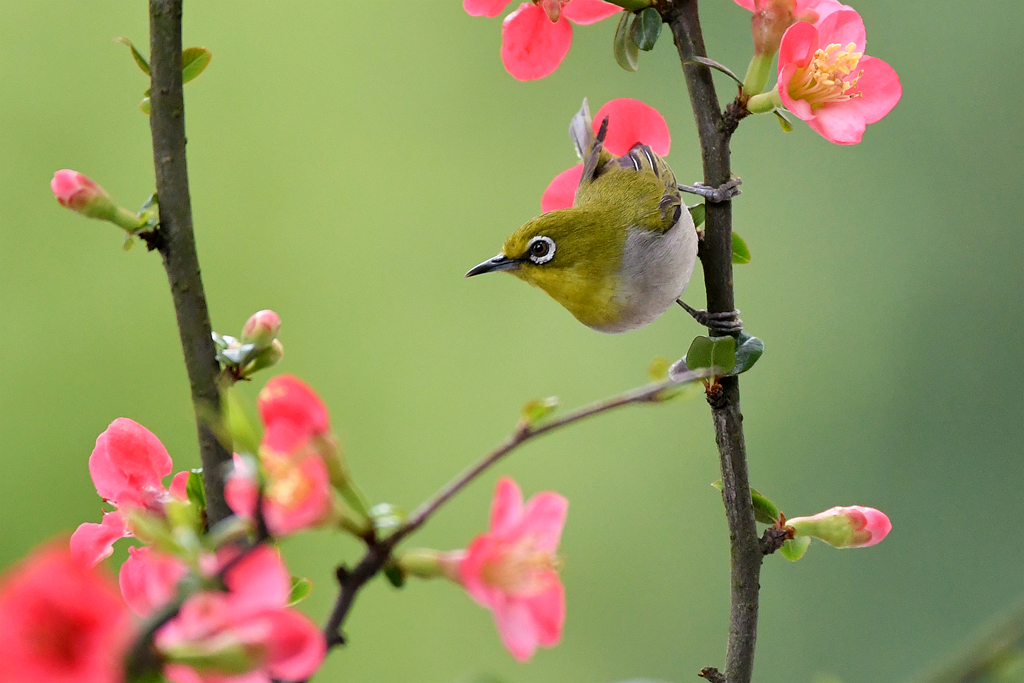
x: 721, y: 193
x: 727, y: 322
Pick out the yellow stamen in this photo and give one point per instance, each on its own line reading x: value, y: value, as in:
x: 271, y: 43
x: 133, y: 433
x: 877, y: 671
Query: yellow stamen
x: 521, y: 569
x: 826, y: 78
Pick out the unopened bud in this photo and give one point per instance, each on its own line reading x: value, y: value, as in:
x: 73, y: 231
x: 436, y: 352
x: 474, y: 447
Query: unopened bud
x: 844, y: 527
x: 770, y: 21
x: 261, y: 328
x: 80, y: 194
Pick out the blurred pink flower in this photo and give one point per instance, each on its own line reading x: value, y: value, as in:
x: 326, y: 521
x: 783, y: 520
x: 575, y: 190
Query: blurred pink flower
x: 844, y: 527
x: 249, y: 626
x: 512, y: 569
x: 630, y: 122
x: 127, y: 466
x: 772, y: 18
x: 826, y: 79
x: 536, y: 37
x: 61, y: 621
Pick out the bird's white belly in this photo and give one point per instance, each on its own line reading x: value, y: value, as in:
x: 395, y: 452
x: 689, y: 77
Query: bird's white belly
x: 656, y: 267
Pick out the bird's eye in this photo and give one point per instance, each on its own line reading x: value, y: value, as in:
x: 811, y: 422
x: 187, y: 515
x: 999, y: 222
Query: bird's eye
x: 541, y: 249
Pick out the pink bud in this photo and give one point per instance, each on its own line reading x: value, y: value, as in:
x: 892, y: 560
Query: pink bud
x: 261, y: 328
x: 844, y: 527
x: 74, y: 191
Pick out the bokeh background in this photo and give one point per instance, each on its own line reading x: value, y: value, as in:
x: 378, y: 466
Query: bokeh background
x: 350, y: 161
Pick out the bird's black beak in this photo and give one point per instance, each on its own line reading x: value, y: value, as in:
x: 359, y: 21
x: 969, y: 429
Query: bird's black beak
x: 493, y: 265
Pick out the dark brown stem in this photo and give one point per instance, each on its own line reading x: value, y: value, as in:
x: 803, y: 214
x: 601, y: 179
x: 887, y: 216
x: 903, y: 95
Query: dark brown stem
x: 176, y: 242
x: 714, y: 133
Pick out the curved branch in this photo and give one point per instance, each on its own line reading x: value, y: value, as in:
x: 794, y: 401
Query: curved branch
x: 176, y: 242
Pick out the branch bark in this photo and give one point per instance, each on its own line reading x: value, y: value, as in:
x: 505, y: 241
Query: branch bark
x: 715, y: 132
x: 176, y: 242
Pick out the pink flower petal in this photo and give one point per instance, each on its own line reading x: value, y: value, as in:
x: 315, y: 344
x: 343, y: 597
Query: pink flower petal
x: 531, y: 46
x: 257, y: 582
x: 92, y: 543
x: 798, y: 44
x: 842, y: 27
x: 240, y: 489
x: 128, y: 463
x: 484, y: 8
x: 589, y: 11
x: 548, y: 612
x: 561, y: 192
x: 179, y: 486
x: 823, y: 8
x: 630, y: 122
x: 881, y: 87
x: 544, y: 518
x: 149, y: 579
x: 746, y: 4
x: 517, y: 628
x: 506, y: 508
x: 288, y: 399
x: 297, y: 647
x: 876, y: 523
x: 841, y: 125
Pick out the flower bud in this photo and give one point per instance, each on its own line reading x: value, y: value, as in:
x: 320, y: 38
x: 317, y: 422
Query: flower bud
x: 261, y: 328
x: 770, y: 21
x: 269, y: 356
x: 844, y: 527
x: 80, y: 194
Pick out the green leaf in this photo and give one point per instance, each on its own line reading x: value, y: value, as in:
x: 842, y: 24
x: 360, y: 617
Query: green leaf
x: 139, y: 59
x: 740, y: 252
x: 784, y: 122
x: 194, y: 488
x: 646, y: 29
x: 128, y: 242
x: 764, y: 510
x: 718, y: 485
x: 697, y: 213
x: 194, y: 61
x: 536, y: 410
x: 301, y: 588
x: 794, y: 548
x: 749, y: 350
x: 626, y: 52
x: 394, y: 575
x: 144, y: 105
x: 712, y: 352
x: 710, y: 63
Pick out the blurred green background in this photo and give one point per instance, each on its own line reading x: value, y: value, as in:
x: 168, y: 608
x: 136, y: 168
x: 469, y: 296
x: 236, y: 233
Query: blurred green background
x: 350, y: 161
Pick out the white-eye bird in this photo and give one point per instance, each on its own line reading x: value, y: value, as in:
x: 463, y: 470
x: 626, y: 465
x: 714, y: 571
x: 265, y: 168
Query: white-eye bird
x: 623, y: 253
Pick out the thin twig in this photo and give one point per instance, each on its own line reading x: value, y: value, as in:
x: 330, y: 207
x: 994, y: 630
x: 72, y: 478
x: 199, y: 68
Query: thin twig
x: 176, y: 242
x: 378, y: 552
x: 714, y: 133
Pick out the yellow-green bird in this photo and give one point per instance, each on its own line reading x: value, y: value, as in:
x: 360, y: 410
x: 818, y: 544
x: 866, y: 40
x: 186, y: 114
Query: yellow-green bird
x: 623, y: 253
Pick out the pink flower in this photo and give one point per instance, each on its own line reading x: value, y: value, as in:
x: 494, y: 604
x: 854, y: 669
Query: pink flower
x: 261, y: 328
x: 844, y: 527
x: 512, y: 569
x: 772, y: 18
x: 296, y: 437
x: 61, y: 621
x: 246, y: 634
x: 149, y: 579
x: 127, y: 466
x: 536, y: 37
x: 629, y: 122
x: 77, y: 192
x: 826, y: 79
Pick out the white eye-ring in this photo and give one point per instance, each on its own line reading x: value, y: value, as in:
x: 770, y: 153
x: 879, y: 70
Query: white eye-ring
x: 541, y: 249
